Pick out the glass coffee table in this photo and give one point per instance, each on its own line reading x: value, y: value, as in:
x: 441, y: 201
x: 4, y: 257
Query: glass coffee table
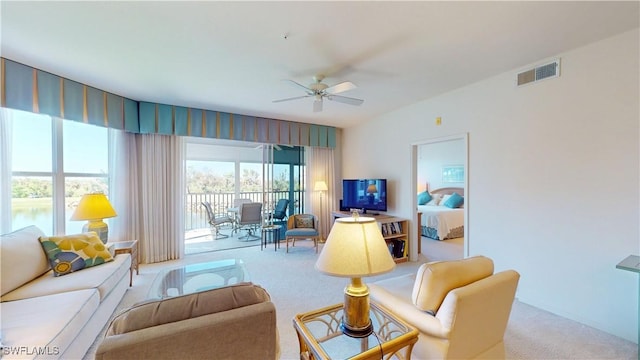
x: 188, y: 279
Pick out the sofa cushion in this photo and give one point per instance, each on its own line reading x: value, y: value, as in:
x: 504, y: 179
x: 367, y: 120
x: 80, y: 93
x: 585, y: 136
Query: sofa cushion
x: 71, y: 253
x: 21, y: 258
x: 157, y: 312
x: 434, y: 280
x: 50, y: 323
x: 104, y: 278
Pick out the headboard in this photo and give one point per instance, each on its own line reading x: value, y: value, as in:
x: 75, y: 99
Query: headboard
x: 448, y: 191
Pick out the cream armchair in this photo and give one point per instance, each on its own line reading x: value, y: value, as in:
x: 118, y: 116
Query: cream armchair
x: 461, y: 308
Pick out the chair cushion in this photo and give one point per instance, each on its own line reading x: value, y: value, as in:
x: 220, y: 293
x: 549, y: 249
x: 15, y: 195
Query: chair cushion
x: 302, y: 232
x: 434, y: 280
x: 71, y: 253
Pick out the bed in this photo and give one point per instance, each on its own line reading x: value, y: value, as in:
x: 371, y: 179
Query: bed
x: 440, y: 222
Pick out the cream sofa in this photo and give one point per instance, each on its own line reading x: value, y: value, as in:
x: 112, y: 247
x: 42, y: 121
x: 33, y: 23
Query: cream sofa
x: 461, y: 308
x: 47, y: 317
x: 234, y: 322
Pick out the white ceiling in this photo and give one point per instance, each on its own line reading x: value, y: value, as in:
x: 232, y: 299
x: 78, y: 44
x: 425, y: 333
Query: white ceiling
x: 233, y: 56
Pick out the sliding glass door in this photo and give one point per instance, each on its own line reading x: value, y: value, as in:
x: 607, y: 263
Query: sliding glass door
x: 219, y: 172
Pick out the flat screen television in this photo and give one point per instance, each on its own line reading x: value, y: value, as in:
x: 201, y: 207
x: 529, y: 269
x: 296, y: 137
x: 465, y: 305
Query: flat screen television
x: 364, y: 194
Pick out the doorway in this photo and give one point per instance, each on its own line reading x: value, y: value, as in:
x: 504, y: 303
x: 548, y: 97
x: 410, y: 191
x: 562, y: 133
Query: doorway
x: 450, y: 170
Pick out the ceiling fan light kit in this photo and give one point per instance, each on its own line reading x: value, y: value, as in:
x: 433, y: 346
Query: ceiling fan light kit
x: 319, y: 91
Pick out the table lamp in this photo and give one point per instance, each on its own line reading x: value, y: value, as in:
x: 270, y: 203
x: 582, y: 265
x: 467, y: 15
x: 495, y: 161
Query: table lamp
x: 372, y: 190
x: 94, y: 207
x: 355, y: 248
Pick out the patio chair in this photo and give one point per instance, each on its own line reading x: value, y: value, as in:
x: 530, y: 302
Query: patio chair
x: 250, y: 219
x: 216, y: 221
x: 280, y: 212
x: 235, y: 212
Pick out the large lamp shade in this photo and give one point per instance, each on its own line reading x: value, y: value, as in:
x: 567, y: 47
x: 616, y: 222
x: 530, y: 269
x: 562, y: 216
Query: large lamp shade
x: 355, y: 248
x: 94, y: 207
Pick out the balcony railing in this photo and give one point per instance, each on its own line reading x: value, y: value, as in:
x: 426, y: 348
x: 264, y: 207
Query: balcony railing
x: 196, y: 215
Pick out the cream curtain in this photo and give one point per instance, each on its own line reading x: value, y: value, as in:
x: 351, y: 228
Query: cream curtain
x: 124, y: 188
x: 161, y: 186
x: 5, y: 171
x: 320, y: 167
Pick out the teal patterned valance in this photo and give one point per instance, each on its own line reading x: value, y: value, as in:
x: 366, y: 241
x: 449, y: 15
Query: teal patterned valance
x: 29, y: 89
x: 178, y: 120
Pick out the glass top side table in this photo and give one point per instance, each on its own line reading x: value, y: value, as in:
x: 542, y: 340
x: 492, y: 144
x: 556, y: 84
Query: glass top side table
x: 320, y: 336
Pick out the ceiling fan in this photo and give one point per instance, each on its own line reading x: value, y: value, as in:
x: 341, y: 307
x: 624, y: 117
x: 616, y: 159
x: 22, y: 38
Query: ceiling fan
x: 319, y: 91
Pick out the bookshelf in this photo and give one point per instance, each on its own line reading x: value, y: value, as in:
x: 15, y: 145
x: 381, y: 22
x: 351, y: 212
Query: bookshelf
x: 395, y: 232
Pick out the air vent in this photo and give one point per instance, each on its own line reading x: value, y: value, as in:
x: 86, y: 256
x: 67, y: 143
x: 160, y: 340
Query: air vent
x: 538, y: 73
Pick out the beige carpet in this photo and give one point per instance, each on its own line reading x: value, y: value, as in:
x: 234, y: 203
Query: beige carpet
x: 296, y: 287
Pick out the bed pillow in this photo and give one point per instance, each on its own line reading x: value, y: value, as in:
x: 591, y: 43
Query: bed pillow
x: 454, y: 201
x: 424, y: 197
x: 70, y: 253
x: 435, y: 200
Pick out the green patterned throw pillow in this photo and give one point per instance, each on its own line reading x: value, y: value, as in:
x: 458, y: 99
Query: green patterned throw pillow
x: 70, y: 253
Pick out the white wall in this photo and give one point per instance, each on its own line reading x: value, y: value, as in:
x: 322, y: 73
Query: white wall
x: 433, y: 157
x: 553, y: 177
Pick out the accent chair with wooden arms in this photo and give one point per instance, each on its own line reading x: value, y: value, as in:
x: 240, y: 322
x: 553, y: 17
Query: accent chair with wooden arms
x: 302, y: 226
x: 461, y: 308
x: 216, y: 221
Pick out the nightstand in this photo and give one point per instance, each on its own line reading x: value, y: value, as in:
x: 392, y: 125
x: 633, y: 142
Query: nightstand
x: 128, y: 247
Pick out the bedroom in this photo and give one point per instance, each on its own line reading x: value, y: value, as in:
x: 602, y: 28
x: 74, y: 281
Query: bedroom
x: 440, y: 172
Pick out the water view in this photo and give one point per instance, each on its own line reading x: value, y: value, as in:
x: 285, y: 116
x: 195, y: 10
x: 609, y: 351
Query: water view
x: 39, y: 212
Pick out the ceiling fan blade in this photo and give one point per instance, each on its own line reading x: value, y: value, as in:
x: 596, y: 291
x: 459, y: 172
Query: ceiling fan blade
x: 317, y: 105
x: 345, y: 100
x: 300, y: 85
x: 291, y: 98
x: 341, y: 87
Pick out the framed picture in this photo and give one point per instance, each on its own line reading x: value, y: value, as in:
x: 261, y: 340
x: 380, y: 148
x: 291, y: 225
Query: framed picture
x: 453, y: 174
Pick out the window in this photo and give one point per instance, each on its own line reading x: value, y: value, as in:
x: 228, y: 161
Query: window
x: 53, y: 163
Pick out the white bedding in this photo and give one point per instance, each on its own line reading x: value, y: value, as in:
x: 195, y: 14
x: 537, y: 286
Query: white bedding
x: 441, y: 218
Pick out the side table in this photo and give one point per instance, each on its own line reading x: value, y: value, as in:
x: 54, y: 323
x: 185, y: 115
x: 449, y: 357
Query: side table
x: 274, y: 230
x: 320, y: 336
x: 632, y: 263
x: 128, y: 247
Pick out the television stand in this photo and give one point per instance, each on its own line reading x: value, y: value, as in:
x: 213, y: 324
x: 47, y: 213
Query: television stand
x: 394, y: 231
